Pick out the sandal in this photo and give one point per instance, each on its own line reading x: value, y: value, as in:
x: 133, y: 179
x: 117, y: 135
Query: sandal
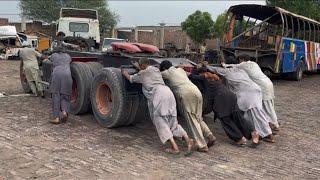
x: 203, y: 149
x: 255, y: 145
x: 212, y: 141
x: 274, y: 127
x: 275, y: 130
x: 55, y: 121
x: 269, y: 139
x: 64, y: 116
x: 240, y: 143
x: 172, y: 151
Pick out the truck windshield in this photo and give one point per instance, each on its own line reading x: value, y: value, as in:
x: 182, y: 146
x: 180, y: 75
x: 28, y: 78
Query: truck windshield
x: 107, y: 42
x: 78, y: 27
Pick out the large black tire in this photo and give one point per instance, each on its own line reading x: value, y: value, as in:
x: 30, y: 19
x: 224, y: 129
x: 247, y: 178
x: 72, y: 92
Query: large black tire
x: 142, y: 110
x: 95, y: 68
x: 112, y: 105
x: 23, y: 79
x: 47, y: 68
x: 80, y: 99
x: 298, y: 74
x: 133, y: 106
x: 267, y: 72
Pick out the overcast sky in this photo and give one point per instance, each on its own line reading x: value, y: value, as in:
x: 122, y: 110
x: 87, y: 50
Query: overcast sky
x: 133, y: 13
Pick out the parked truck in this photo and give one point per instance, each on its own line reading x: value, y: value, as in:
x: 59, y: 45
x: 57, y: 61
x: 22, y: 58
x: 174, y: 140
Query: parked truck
x: 99, y: 86
x: 80, y: 26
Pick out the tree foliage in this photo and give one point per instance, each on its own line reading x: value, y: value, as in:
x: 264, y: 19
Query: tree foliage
x: 198, y: 26
x: 48, y: 10
x: 309, y: 8
x: 218, y: 25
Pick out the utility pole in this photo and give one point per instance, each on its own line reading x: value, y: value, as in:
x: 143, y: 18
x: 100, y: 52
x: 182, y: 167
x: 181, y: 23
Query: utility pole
x: 162, y: 35
x: 23, y: 22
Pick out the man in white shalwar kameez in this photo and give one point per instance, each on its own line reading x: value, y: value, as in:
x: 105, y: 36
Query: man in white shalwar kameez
x: 266, y: 85
x: 161, y: 104
x: 249, y: 98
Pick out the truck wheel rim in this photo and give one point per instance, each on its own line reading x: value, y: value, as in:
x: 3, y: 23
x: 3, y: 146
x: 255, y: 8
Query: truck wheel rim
x: 103, y: 98
x: 75, y: 93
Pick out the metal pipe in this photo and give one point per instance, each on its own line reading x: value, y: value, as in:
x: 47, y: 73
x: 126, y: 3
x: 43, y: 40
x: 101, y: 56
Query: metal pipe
x: 162, y: 35
x: 283, y: 24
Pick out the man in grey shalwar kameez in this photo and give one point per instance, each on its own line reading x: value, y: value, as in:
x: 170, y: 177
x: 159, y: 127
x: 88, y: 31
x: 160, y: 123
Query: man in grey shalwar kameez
x: 266, y: 85
x: 249, y: 98
x: 161, y: 104
x: 61, y: 85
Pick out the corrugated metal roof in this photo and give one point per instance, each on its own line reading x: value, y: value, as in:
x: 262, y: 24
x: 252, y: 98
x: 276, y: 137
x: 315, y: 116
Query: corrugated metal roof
x: 262, y: 12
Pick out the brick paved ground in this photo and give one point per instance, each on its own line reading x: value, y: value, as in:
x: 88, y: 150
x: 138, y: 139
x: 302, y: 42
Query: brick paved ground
x: 32, y: 148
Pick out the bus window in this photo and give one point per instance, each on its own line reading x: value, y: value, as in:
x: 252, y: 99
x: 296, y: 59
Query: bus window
x: 292, y: 27
x: 317, y: 34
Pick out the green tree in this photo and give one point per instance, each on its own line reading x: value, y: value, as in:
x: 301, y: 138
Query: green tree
x: 218, y: 25
x: 309, y: 8
x: 48, y: 10
x: 198, y: 26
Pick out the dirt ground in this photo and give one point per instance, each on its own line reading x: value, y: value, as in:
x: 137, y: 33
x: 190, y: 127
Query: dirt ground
x: 32, y: 148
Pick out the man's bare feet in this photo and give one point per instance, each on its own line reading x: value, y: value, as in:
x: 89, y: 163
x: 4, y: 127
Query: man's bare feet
x: 190, y: 145
x: 211, y: 140
x: 255, y: 139
x: 174, y: 147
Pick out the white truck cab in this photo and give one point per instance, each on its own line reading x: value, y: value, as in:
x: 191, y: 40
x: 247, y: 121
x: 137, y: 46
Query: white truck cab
x: 79, y: 23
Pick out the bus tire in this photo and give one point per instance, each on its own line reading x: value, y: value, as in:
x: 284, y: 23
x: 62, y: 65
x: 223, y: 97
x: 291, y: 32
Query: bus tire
x: 298, y: 74
x: 111, y: 105
x: 80, y: 98
x: 267, y: 72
